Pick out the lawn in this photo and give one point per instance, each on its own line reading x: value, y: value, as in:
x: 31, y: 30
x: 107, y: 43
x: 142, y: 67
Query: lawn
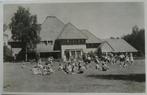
x: 116, y: 80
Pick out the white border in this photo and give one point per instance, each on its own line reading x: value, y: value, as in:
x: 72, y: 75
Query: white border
x: 2, y: 2
x: 64, y: 1
x: 1, y: 46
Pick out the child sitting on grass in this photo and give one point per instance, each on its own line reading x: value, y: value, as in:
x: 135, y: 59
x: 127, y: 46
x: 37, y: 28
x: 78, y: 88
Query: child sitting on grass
x: 60, y: 67
x: 104, y: 67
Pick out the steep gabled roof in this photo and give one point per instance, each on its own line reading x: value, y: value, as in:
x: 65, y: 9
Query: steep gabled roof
x: 91, y: 37
x: 120, y: 45
x: 71, y: 32
x: 105, y: 47
x: 51, y: 28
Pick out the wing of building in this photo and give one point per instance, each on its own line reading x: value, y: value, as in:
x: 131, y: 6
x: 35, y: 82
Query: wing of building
x: 116, y: 46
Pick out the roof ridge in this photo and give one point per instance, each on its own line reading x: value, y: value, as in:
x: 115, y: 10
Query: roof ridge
x: 52, y: 25
x: 86, y: 30
x: 116, y: 44
x: 47, y: 17
x: 62, y: 31
x: 128, y: 43
x: 109, y: 45
x: 84, y: 34
x: 73, y: 26
x: 95, y: 36
x: 69, y: 23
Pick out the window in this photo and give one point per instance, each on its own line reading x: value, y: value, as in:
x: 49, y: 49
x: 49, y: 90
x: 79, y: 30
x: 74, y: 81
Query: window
x: 79, y: 41
x: 70, y: 41
x: 50, y: 42
x: 67, y: 41
x: 75, y: 41
x: 45, y: 42
x: 83, y: 41
x: 63, y: 42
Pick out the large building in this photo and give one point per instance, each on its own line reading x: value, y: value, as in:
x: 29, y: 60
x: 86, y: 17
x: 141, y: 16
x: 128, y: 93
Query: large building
x: 66, y: 40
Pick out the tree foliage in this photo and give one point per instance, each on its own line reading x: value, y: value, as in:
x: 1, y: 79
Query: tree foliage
x: 136, y: 39
x: 7, y: 54
x: 24, y: 27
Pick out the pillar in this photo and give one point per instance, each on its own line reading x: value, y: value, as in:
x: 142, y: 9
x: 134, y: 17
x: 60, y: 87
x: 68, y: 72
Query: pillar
x: 75, y: 54
x: 69, y: 53
x: 81, y: 52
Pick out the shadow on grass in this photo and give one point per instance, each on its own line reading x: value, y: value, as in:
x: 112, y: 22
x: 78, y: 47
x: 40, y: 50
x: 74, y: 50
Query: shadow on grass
x: 129, y: 77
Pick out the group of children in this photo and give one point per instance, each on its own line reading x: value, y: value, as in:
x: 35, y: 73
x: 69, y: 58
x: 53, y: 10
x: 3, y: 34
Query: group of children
x: 43, y: 69
x: 109, y: 59
x: 72, y: 68
x: 80, y: 65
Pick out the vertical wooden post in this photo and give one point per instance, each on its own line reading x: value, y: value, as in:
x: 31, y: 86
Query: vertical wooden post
x: 26, y: 56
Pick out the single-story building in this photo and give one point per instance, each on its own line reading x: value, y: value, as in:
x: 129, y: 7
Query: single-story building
x: 116, y: 46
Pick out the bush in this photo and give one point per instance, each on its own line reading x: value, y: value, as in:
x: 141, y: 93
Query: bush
x: 7, y: 54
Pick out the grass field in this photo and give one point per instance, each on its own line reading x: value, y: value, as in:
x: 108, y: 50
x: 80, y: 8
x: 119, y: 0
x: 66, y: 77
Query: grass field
x: 116, y: 80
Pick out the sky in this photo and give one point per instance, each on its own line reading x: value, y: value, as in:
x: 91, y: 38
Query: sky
x: 105, y: 20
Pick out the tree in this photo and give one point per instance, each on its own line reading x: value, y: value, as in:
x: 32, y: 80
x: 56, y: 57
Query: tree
x: 136, y: 39
x: 139, y: 41
x: 25, y: 29
x: 7, y: 54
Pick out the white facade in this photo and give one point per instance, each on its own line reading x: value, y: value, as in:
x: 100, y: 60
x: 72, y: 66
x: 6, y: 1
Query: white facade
x: 73, y: 50
x: 88, y: 50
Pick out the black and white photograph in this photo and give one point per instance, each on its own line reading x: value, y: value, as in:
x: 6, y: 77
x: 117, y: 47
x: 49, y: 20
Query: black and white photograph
x: 74, y: 47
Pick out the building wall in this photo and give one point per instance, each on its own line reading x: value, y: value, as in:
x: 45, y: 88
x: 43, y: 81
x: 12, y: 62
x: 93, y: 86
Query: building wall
x: 90, y: 50
x: 92, y: 45
x: 74, y: 47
